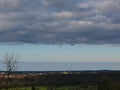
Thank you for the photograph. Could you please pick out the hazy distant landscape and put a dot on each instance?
(62, 76)
(68, 66)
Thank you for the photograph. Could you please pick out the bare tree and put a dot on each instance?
(10, 61)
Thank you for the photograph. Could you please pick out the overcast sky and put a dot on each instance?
(47, 24)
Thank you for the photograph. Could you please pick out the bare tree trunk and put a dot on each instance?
(7, 81)
(10, 62)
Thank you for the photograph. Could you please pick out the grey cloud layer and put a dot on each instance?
(60, 21)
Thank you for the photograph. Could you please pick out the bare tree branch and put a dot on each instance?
(10, 61)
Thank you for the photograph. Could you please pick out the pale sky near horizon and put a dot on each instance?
(67, 53)
(61, 30)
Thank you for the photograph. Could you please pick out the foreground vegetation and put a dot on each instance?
(85, 80)
(57, 88)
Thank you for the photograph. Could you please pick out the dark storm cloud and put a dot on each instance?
(60, 21)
